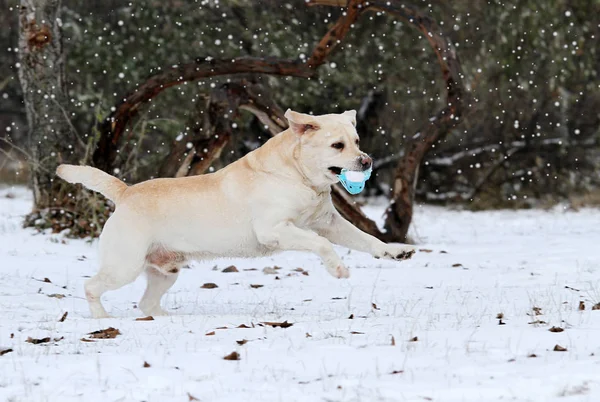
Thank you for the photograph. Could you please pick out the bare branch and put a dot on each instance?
(335, 35)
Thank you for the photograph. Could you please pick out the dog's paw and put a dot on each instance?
(342, 272)
(396, 252)
(339, 272)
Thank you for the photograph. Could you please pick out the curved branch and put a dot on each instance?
(112, 128)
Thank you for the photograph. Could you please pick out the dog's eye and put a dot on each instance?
(338, 145)
(356, 142)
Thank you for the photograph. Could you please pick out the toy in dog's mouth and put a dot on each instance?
(352, 180)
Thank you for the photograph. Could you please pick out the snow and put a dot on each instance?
(512, 261)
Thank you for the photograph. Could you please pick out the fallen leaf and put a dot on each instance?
(307, 300)
(242, 342)
(374, 306)
(211, 333)
(86, 340)
(231, 268)
(149, 318)
(250, 269)
(393, 341)
(57, 295)
(443, 252)
(308, 335)
(576, 290)
(532, 355)
(425, 250)
(512, 360)
(232, 356)
(47, 280)
(63, 317)
(556, 329)
(558, 348)
(146, 365)
(284, 324)
(596, 306)
(4, 350)
(37, 341)
(337, 298)
(192, 397)
(581, 306)
(243, 326)
(500, 322)
(305, 273)
(209, 286)
(298, 269)
(500, 316)
(351, 317)
(12, 336)
(397, 372)
(256, 286)
(222, 328)
(456, 265)
(107, 333)
(428, 287)
(414, 339)
(538, 322)
(537, 310)
(357, 333)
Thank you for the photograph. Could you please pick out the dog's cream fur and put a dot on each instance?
(275, 198)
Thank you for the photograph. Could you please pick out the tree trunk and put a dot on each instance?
(51, 137)
(399, 213)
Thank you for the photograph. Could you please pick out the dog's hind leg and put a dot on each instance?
(158, 284)
(122, 260)
(111, 276)
(162, 269)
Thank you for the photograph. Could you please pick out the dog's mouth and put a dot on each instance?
(335, 170)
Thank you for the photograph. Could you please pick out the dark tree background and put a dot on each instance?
(528, 136)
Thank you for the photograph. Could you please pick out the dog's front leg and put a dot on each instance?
(339, 231)
(286, 236)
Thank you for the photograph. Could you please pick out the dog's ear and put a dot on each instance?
(352, 115)
(300, 123)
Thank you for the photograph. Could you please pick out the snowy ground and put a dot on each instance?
(511, 262)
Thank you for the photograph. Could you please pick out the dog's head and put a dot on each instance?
(328, 144)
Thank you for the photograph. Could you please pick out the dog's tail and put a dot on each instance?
(94, 179)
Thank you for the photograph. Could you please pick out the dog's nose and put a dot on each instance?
(366, 161)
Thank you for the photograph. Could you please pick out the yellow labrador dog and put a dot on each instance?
(275, 198)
